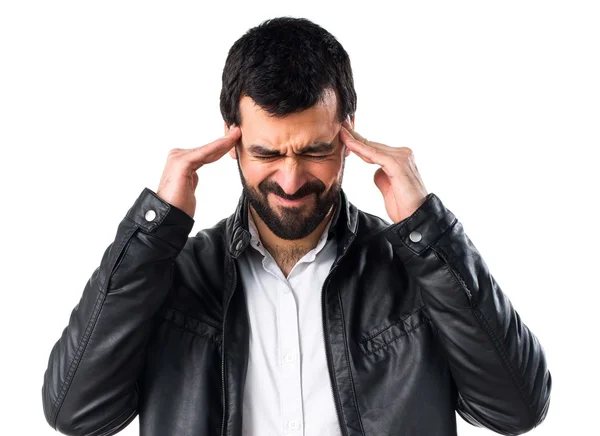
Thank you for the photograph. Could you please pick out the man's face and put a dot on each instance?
(291, 168)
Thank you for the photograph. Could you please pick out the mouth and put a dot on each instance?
(297, 202)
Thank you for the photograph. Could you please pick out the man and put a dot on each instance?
(298, 314)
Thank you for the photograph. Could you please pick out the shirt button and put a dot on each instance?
(150, 215)
(289, 357)
(293, 425)
(286, 290)
(415, 236)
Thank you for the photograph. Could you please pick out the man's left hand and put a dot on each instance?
(397, 178)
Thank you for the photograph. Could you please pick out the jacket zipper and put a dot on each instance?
(223, 347)
(338, 407)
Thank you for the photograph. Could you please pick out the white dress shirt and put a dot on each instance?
(288, 390)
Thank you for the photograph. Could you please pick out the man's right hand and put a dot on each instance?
(179, 179)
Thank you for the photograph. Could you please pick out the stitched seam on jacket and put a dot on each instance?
(103, 288)
(354, 400)
(438, 250)
(77, 358)
(401, 320)
(504, 359)
(394, 339)
(86, 336)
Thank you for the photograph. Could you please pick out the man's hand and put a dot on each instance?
(397, 178)
(179, 179)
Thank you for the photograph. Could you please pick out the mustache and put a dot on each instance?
(306, 189)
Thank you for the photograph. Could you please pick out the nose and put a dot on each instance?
(291, 176)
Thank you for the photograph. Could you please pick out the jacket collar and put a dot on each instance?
(237, 236)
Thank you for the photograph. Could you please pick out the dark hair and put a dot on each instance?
(285, 64)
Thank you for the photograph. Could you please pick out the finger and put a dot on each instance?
(213, 151)
(375, 155)
(364, 140)
(348, 127)
(357, 135)
(362, 156)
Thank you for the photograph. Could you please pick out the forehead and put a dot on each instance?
(317, 123)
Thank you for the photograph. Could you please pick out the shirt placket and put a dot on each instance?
(288, 351)
(288, 338)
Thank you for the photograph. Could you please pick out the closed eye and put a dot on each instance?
(306, 155)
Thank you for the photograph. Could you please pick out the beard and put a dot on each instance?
(293, 222)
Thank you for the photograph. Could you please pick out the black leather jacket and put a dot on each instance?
(416, 328)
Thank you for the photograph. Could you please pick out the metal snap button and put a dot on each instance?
(150, 215)
(415, 236)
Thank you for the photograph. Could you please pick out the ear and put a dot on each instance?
(232, 152)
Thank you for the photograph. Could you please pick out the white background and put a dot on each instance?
(499, 101)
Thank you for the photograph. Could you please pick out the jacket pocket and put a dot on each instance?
(192, 325)
(390, 335)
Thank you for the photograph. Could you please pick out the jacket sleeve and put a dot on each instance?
(90, 385)
(498, 364)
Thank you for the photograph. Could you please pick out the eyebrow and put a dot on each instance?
(317, 147)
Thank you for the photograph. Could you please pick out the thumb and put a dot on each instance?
(381, 180)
